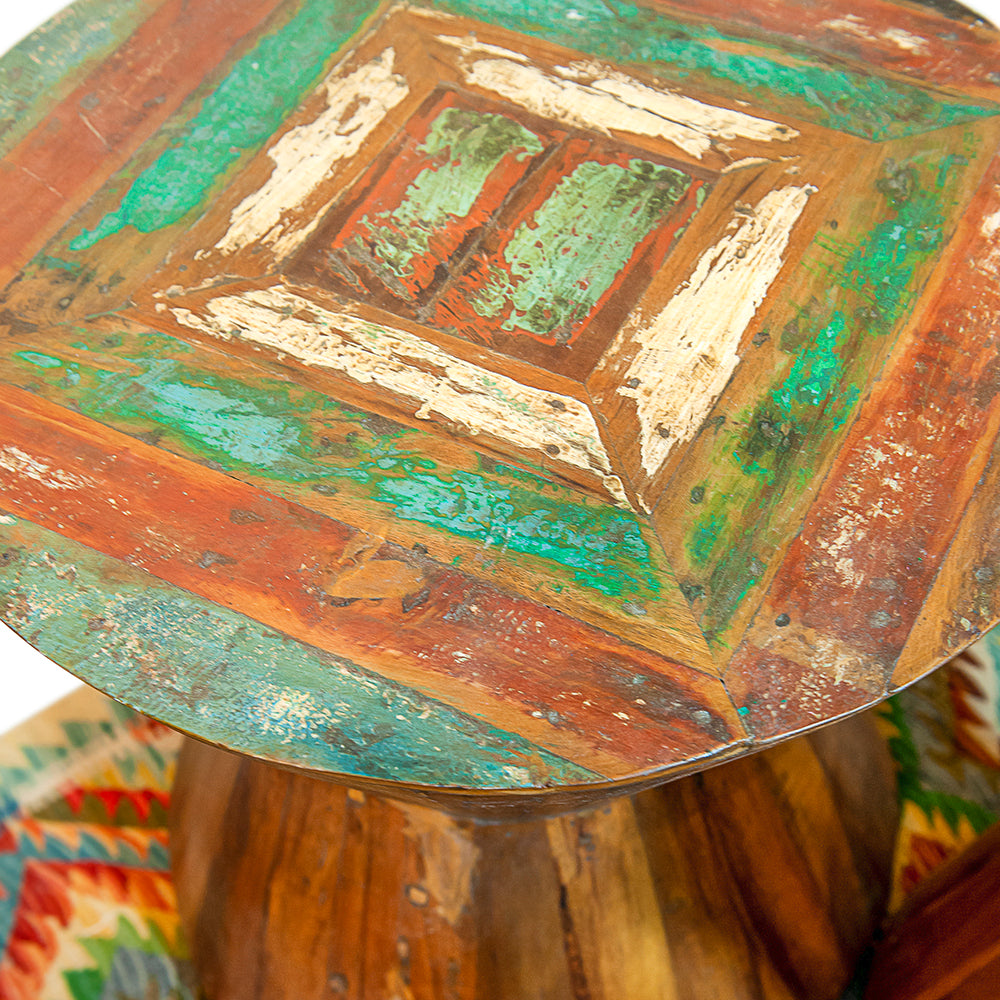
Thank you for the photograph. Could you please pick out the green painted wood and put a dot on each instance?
(868, 273)
(709, 55)
(157, 647)
(309, 447)
(237, 115)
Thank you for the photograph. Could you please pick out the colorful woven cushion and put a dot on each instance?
(87, 909)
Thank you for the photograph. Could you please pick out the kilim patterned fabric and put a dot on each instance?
(944, 733)
(86, 903)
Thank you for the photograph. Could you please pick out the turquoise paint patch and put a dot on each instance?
(880, 270)
(39, 360)
(221, 422)
(859, 103)
(817, 374)
(260, 430)
(240, 114)
(504, 517)
(196, 665)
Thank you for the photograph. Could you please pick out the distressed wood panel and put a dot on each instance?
(128, 226)
(720, 56)
(351, 593)
(805, 372)
(46, 66)
(854, 580)
(907, 39)
(578, 317)
(108, 116)
(501, 524)
(672, 893)
(146, 642)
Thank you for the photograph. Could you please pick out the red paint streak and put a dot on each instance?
(89, 135)
(8, 843)
(873, 541)
(498, 656)
(387, 184)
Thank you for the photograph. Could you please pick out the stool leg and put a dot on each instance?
(760, 879)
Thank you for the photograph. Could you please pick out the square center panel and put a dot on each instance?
(489, 224)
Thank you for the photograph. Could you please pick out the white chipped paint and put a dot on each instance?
(479, 400)
(15, 460)
(469, 45)
(593, 96)
(689, 351)
(851, 24)
(900, 37)
(716, 122)
(747, 161)
(906, 40)
(356, 105)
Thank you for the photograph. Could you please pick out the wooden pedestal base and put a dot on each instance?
(760, 879)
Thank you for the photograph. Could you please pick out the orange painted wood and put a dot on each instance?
(865, 599)
(356, 596)
(110, 114)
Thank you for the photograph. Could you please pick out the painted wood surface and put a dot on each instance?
(611, 385)
(761, 880)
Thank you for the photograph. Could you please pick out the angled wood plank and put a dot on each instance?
(591, 560)
(353, 594)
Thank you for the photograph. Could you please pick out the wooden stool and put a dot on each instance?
(502, 409)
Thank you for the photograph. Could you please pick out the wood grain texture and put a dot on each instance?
(759, 880)
(541, 367)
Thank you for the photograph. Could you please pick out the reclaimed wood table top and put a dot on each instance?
(496, 394)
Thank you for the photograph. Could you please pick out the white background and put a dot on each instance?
(28, 681)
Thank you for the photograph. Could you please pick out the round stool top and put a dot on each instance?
(500, 394)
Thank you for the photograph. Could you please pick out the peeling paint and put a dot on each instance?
(287, 436)
(16, 460)
(355, 106)
(872, 282)
(240, 114)
(613, 101)
(675, 50)
(446, 387)
(689, 351)
(181, 658)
